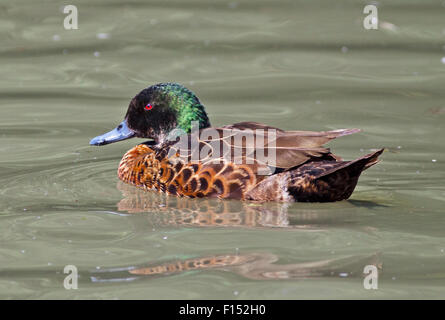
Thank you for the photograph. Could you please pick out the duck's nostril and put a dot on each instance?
(119, 127)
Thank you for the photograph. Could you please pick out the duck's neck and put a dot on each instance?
(190, 114)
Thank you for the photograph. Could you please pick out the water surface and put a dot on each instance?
(305, 65)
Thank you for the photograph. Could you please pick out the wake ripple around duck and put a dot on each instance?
(76, 183)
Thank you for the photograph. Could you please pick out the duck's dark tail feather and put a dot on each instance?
(320, 181)
(328, 180)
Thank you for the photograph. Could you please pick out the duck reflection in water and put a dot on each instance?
(255, 266)
(172, 211)
(164, 210)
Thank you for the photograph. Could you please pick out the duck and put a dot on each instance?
(185, 156)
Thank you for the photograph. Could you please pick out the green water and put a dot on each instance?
(302, 65)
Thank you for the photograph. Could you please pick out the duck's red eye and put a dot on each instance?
(148, 107)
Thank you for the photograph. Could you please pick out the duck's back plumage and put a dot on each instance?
(303, 170)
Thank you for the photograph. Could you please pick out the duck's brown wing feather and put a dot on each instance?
(293, 138)
(244, 141)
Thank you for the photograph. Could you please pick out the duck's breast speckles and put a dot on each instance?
(146, 168)
(139, 167)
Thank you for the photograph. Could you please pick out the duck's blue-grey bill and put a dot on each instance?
(121, 132)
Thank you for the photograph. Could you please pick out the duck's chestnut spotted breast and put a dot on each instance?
(144, 167)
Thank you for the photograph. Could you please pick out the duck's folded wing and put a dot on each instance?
(310, 139)
(292, 138)
(251, 142)
(291, 148)
(249, 125)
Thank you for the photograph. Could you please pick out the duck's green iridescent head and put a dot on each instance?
(155, 112)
